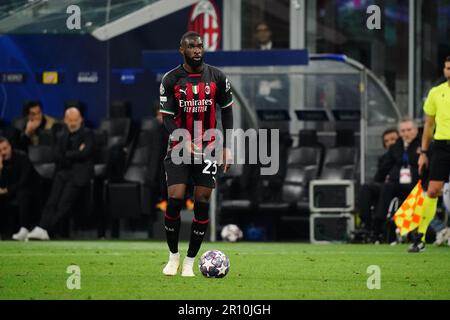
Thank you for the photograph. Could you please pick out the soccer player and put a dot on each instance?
(188, 97)
(437, 110)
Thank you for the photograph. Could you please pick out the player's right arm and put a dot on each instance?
(167, 98)
(168, 107)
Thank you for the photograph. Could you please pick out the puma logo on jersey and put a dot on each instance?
(184, 91)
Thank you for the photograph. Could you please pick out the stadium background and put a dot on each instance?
(415, 30)
(405, 56)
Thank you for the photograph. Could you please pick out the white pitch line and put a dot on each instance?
(59, 254)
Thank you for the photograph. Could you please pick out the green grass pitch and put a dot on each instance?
(275, 271)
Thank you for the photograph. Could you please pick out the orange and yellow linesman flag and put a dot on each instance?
(408, 216)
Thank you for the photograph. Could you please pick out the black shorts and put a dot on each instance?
(202, 174)
(440, 161)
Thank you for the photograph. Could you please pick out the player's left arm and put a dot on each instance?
(430, 123)
(226, 101)
(430, 110)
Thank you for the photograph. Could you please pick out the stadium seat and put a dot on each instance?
(127, 199)
(270, 186)
(133, 195)
(100, 153)
(309, 138)
(340, 163)
(118, 137)
(117, 129)
(302, 167)
(42, 158)
(120, 109)
(230, 186)
(345, 138)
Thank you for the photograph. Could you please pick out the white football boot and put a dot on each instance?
(171, 267)
(188, 266)
(38, 234)
(21, 235)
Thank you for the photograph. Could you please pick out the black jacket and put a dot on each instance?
(391, 163)
(382, 159)
(70, 159)
(18, 173)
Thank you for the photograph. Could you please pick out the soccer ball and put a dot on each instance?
(214, 264)
(231, 233)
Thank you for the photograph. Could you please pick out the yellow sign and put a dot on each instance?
(50, 77)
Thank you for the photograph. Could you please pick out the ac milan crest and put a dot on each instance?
(204, 19)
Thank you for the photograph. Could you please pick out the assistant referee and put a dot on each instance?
(437, 111)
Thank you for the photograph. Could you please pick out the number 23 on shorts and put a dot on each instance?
(211, 167)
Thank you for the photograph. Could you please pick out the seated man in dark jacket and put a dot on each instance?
(18, 185)
(400, 171)
(370, 192)
(74, 154)
(35, 123)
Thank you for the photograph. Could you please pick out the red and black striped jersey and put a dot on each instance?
(192, 97)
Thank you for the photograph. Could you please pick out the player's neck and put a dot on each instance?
(190, 69)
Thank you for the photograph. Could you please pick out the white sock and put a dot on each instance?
(189, 260)
(174, 255)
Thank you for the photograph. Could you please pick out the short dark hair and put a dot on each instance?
(388, 131)
(31, 104)
(3, 139)
(262, 23)
(189, 35)
(447, 59)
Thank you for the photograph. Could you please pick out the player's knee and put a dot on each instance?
(174, 207)
(175, 193)
(202, 195)
(202, 198)
(201, 211)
